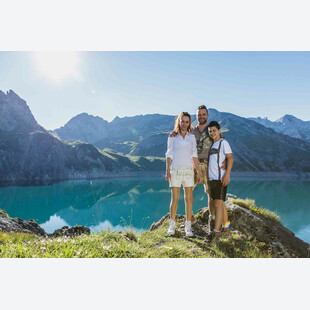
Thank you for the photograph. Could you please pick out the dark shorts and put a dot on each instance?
(218, 191)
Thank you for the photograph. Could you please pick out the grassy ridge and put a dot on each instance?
(108, 244)
(250, 204)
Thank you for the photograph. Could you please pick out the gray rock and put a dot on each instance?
(8, 224)
(70, 232)
(248, 224)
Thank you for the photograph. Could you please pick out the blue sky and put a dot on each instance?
(110, 84)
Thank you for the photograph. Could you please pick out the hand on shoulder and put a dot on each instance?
(172, 134)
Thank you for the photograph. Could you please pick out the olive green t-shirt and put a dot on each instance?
(203, 141)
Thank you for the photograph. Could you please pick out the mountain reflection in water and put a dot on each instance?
(138, 202)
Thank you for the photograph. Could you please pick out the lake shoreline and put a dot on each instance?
(156, 174)
(254, 233)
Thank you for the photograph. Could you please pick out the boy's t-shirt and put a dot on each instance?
(213, 165)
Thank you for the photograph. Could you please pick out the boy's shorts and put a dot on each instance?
(203, 169)
(218, 191)
(182, 176)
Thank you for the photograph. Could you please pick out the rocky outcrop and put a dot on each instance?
(249, 227)
(15, 114)
(8, 224)
(71, 232)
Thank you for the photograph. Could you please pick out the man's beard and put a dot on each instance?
(202, 123)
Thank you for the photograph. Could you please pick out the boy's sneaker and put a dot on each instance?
(211, 223)
(188, 229)
(171, 229)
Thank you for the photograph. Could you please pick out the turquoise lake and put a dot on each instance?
(138, 202)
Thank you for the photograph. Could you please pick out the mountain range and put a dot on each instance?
(256, 147)
(90, 147)
(29, 153)
(288, 125)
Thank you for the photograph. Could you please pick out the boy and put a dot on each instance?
(219, 178)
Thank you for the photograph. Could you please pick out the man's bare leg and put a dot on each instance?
(218, 214)
(225, 215)
(211, 205)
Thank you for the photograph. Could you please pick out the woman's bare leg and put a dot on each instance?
(175, 194)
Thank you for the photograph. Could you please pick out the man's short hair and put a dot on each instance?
(214, 124)
(201, 107)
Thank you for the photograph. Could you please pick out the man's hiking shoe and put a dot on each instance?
(171, 229)
(225, 232)
(211, 236)
(188, 229)
(226, 228)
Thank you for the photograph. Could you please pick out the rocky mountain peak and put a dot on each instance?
(287, 118)
(85, 117)
(15, 114)
(83, 127)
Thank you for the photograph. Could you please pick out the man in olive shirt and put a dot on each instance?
(204, 143)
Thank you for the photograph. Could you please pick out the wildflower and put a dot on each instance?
(106, 247)
(167, 247)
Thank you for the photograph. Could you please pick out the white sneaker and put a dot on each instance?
(171, 229)
(188, 229)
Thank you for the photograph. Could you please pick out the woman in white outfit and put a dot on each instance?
(180, 155)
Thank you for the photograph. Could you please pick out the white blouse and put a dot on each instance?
(181, 151)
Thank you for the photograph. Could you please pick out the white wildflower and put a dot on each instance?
(106, 247)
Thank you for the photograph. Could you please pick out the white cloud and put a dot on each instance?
(55, 222)
(304, 233)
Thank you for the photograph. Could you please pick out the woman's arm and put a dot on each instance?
(168, 174)
(169, 157)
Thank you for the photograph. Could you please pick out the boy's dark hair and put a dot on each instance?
(202, 107)
(215, 124)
